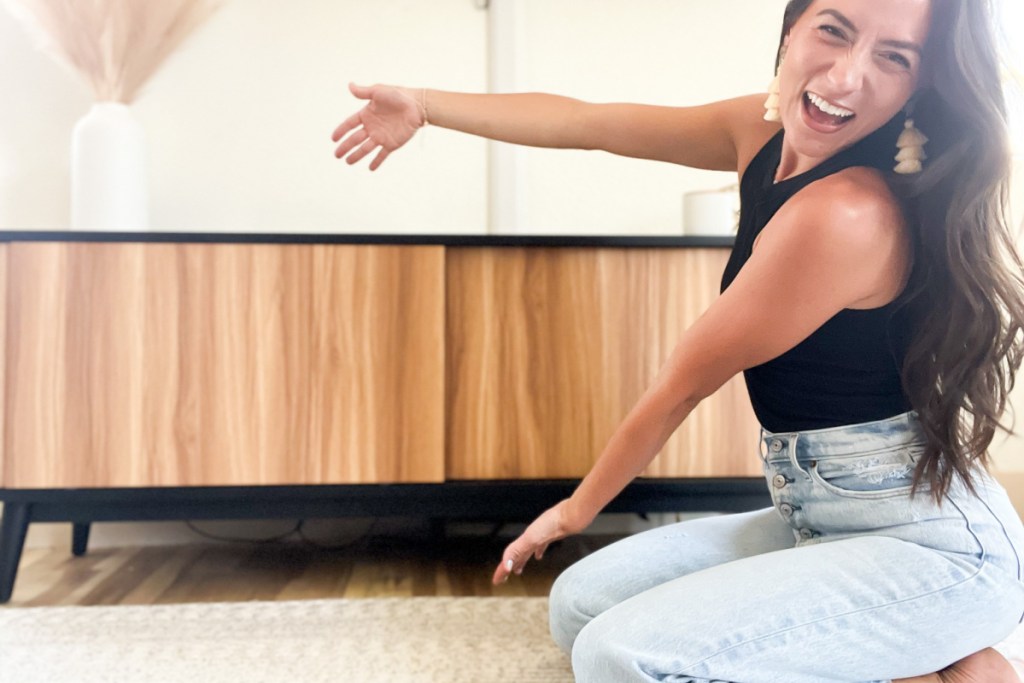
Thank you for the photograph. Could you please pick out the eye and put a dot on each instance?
(832, 31)
(897, 58)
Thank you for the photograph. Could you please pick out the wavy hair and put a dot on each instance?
(965, 295)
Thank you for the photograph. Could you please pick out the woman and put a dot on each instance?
(878, 324)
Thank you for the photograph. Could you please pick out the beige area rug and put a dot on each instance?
(397, 640)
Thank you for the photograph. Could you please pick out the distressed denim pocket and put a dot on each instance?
(881, 474)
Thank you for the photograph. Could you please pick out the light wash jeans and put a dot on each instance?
(847, 578)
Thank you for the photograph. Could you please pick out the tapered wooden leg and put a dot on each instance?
(13, 529)
(79, 538)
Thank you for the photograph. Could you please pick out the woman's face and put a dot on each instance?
(850, 66)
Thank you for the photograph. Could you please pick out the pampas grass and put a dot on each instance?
(113, 45)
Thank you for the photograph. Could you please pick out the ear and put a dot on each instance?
(780, 57)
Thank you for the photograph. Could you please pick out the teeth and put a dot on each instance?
(828, 108)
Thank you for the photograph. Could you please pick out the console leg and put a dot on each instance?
(13, 529)
(79, 537)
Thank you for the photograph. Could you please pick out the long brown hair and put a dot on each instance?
(965, 295)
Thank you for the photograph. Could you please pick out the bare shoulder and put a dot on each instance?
(852, 220)
(856, 204)
(709, 136)
(750, 131)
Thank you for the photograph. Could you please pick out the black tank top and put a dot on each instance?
(848, 370)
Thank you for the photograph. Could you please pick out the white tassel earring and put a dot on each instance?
(911, 145)
(771, 105)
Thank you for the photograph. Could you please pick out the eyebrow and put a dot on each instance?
(900, 44)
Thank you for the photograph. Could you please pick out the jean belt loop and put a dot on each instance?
(761, 449)
(792, 454)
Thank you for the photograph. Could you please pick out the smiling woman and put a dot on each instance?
(845, 72)
(878, 319)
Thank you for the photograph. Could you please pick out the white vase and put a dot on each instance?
(108, 170)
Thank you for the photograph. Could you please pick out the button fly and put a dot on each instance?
(776, 445)
(786, 509)
(778, 481)
(806, 533)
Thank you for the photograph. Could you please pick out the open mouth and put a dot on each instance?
(827, 115)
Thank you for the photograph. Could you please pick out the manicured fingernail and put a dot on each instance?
(509, 565)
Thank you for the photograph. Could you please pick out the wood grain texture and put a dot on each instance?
(385, 566)
(549, 349)
(194, 364)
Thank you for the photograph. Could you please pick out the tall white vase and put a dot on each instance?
(108, 170)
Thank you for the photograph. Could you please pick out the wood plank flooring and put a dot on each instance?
(377, 566)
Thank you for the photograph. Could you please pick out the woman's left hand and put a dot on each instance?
(553, 525)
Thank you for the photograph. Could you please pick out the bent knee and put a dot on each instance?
(604, 651)
(594, 655)
(568, 612)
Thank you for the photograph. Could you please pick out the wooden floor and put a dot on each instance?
(375, 566)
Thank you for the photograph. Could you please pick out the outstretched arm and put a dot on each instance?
(713, 136)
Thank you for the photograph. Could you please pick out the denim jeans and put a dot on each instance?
(847, 578)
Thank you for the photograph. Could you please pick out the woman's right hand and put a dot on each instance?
(553, 525)
(389, 120)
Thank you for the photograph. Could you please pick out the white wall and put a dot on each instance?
(239, 120)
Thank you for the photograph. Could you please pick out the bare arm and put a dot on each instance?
(713, 136)
(705, 136)
(839, 268)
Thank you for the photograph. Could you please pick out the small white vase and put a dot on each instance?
(108, 170)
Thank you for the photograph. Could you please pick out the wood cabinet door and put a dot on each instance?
(223, 364)
(549, 349)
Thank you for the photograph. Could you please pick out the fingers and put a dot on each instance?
(357, 138)
(368, 145)
(509, 565)
(360, 137)
(514, 561)
(363, 150)
(379, 159)
(345, 126)
(360, 91)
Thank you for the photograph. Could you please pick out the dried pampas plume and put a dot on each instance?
(114, 45)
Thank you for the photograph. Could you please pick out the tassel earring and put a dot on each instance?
(911, 145)
(771, 105)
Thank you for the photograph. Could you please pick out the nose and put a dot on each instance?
(847, 72)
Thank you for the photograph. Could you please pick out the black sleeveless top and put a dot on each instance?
(848, 370)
